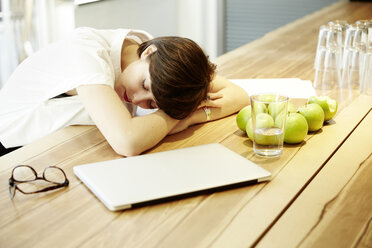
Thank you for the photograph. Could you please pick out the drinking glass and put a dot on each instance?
(269, 113)
(327, 59)
(363, 22)
(354, 50)
(366, 74)
(340, 26)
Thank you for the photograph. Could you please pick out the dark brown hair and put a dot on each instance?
(180, 73)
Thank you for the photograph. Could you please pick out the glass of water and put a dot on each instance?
(269, 113)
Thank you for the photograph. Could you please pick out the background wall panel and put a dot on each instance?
(247, 20)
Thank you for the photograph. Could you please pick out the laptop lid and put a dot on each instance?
(157, 177)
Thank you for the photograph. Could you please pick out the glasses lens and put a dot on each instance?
(23, 174)
(30, 187)
(54, 175)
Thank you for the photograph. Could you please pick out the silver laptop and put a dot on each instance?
(158, 177)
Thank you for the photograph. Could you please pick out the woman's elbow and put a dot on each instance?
(127, 148)
(126, 153)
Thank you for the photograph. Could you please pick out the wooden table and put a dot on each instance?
(320, 194)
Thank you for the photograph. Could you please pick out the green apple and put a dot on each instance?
(275, 109)
(243, 116)
(328, 105)
(279, 120)
(314, 116)
(295, 128)
(265, 124)
(263, 120)
(249, 129)
(259, 107)
(291, 108)
(267, 98)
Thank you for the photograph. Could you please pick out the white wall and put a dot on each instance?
(248, 20)
(50, 20)
(198, 20)
(202, 21)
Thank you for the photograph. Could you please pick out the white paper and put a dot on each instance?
(291, 87)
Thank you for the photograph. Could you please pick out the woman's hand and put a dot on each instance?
(213, 100)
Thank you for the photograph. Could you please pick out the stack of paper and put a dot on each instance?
(291, 87)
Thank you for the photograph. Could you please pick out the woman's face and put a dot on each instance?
(134, 84)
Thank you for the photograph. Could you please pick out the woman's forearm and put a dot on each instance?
(233, 99)
(146, 132)
(127, 135)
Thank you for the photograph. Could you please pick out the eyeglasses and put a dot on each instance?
(24, 179)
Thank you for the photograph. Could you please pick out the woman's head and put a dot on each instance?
(180, 73)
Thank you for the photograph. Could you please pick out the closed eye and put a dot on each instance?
(143, 85)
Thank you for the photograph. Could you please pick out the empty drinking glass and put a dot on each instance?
(341, 27)
(327, 59)
(354, 49)
(366, 74)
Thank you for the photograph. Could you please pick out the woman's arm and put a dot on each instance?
(127, 135)
(226, 99)
(233, 98)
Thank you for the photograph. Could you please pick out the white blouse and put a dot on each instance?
(29, 104)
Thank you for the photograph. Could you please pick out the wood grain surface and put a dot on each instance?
(314, 187)
(335, 209)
